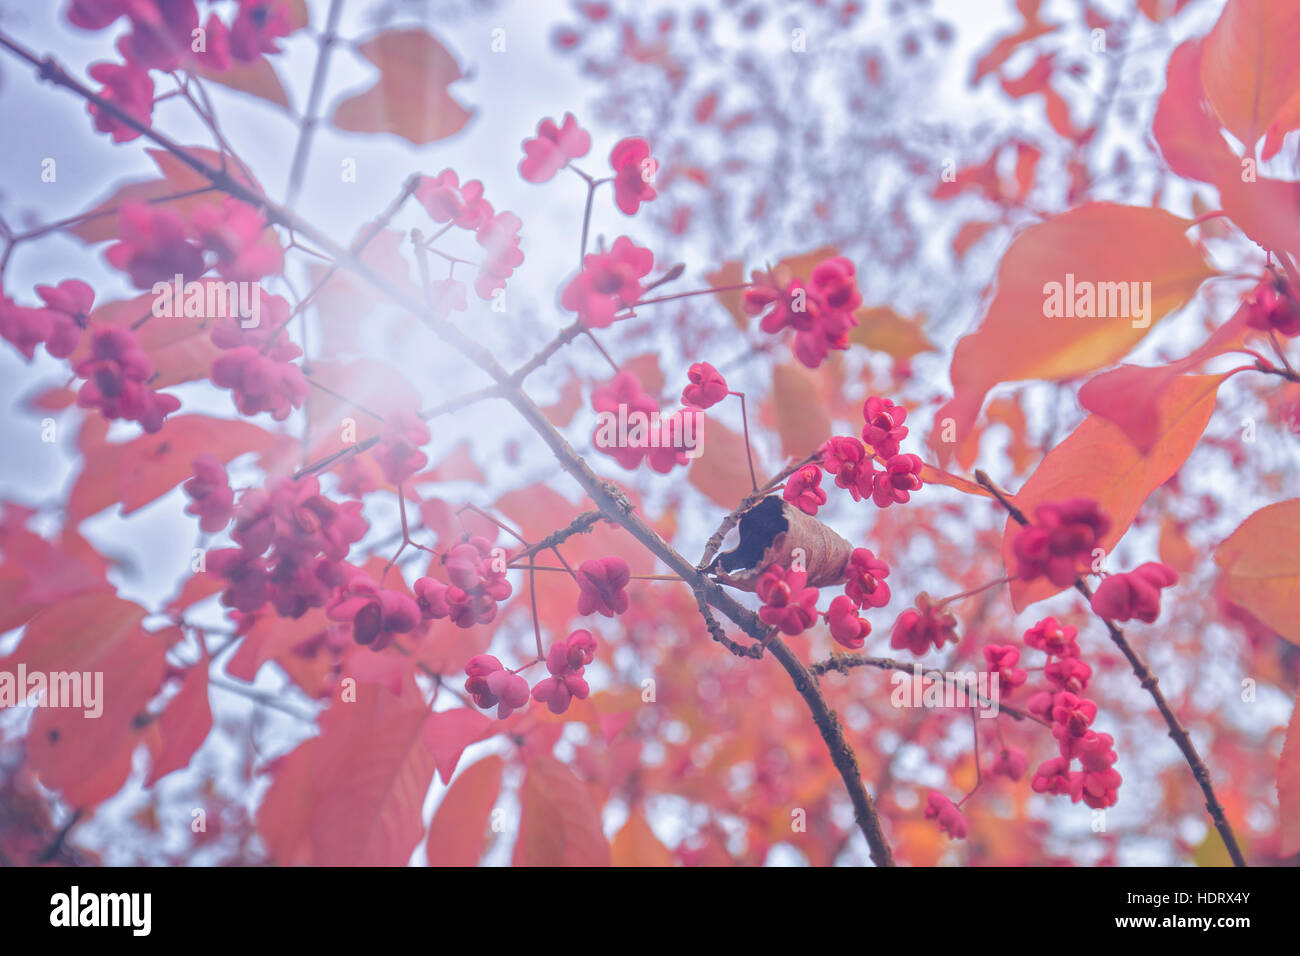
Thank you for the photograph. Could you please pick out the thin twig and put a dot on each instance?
(311, 114)
(843, 663)
(1150, 683)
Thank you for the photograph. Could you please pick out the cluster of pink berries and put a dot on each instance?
(477, 577)
(256, 362)
(1071, 716)
(1061, 542)
(1273, 307)
(491, 685)
(925, 626)
(448, 201)
(117, 373)
(162, 37)
(1122, 597)
(853, 463)
(58, 324)
(820, 312)
(609, 281)
(293, 542)
(651, 437)
(791, 606)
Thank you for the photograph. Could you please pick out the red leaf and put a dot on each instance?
(353, 796)
(37, 572)
(184, 724)
(559, 823)
(1261, 567)
(95, 633)
(272, 638)
(457, 835)
(410, 98)
(448, 732)
(1130, 395)
(143, 469)
(1098, 461)
(721, 471)
(1288, 787)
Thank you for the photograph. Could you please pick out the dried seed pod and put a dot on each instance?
(775, 532)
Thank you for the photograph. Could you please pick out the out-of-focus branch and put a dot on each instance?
(311, 116)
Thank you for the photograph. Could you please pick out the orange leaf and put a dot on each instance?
(1173, 547)
(1185, 126)
(1250, 68)
(457, 834)
(410, 97)
(721, 472)
(884, 330)
(1127, 261)
(177, 177)
(92, 634)
(1266, 210)
(802, 265)
(143, 469)
(179, 346)
(1288, 787)
(969, 234)
(1098, 461)
(560, 412)
(1161, 10)
(1003, 49)
(731, 273)
(801, 417)
(937, 476)
(1286, 120)
(1261, 567)
(458, 465)
(256, 79)
(636, 844)
(646, 368)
